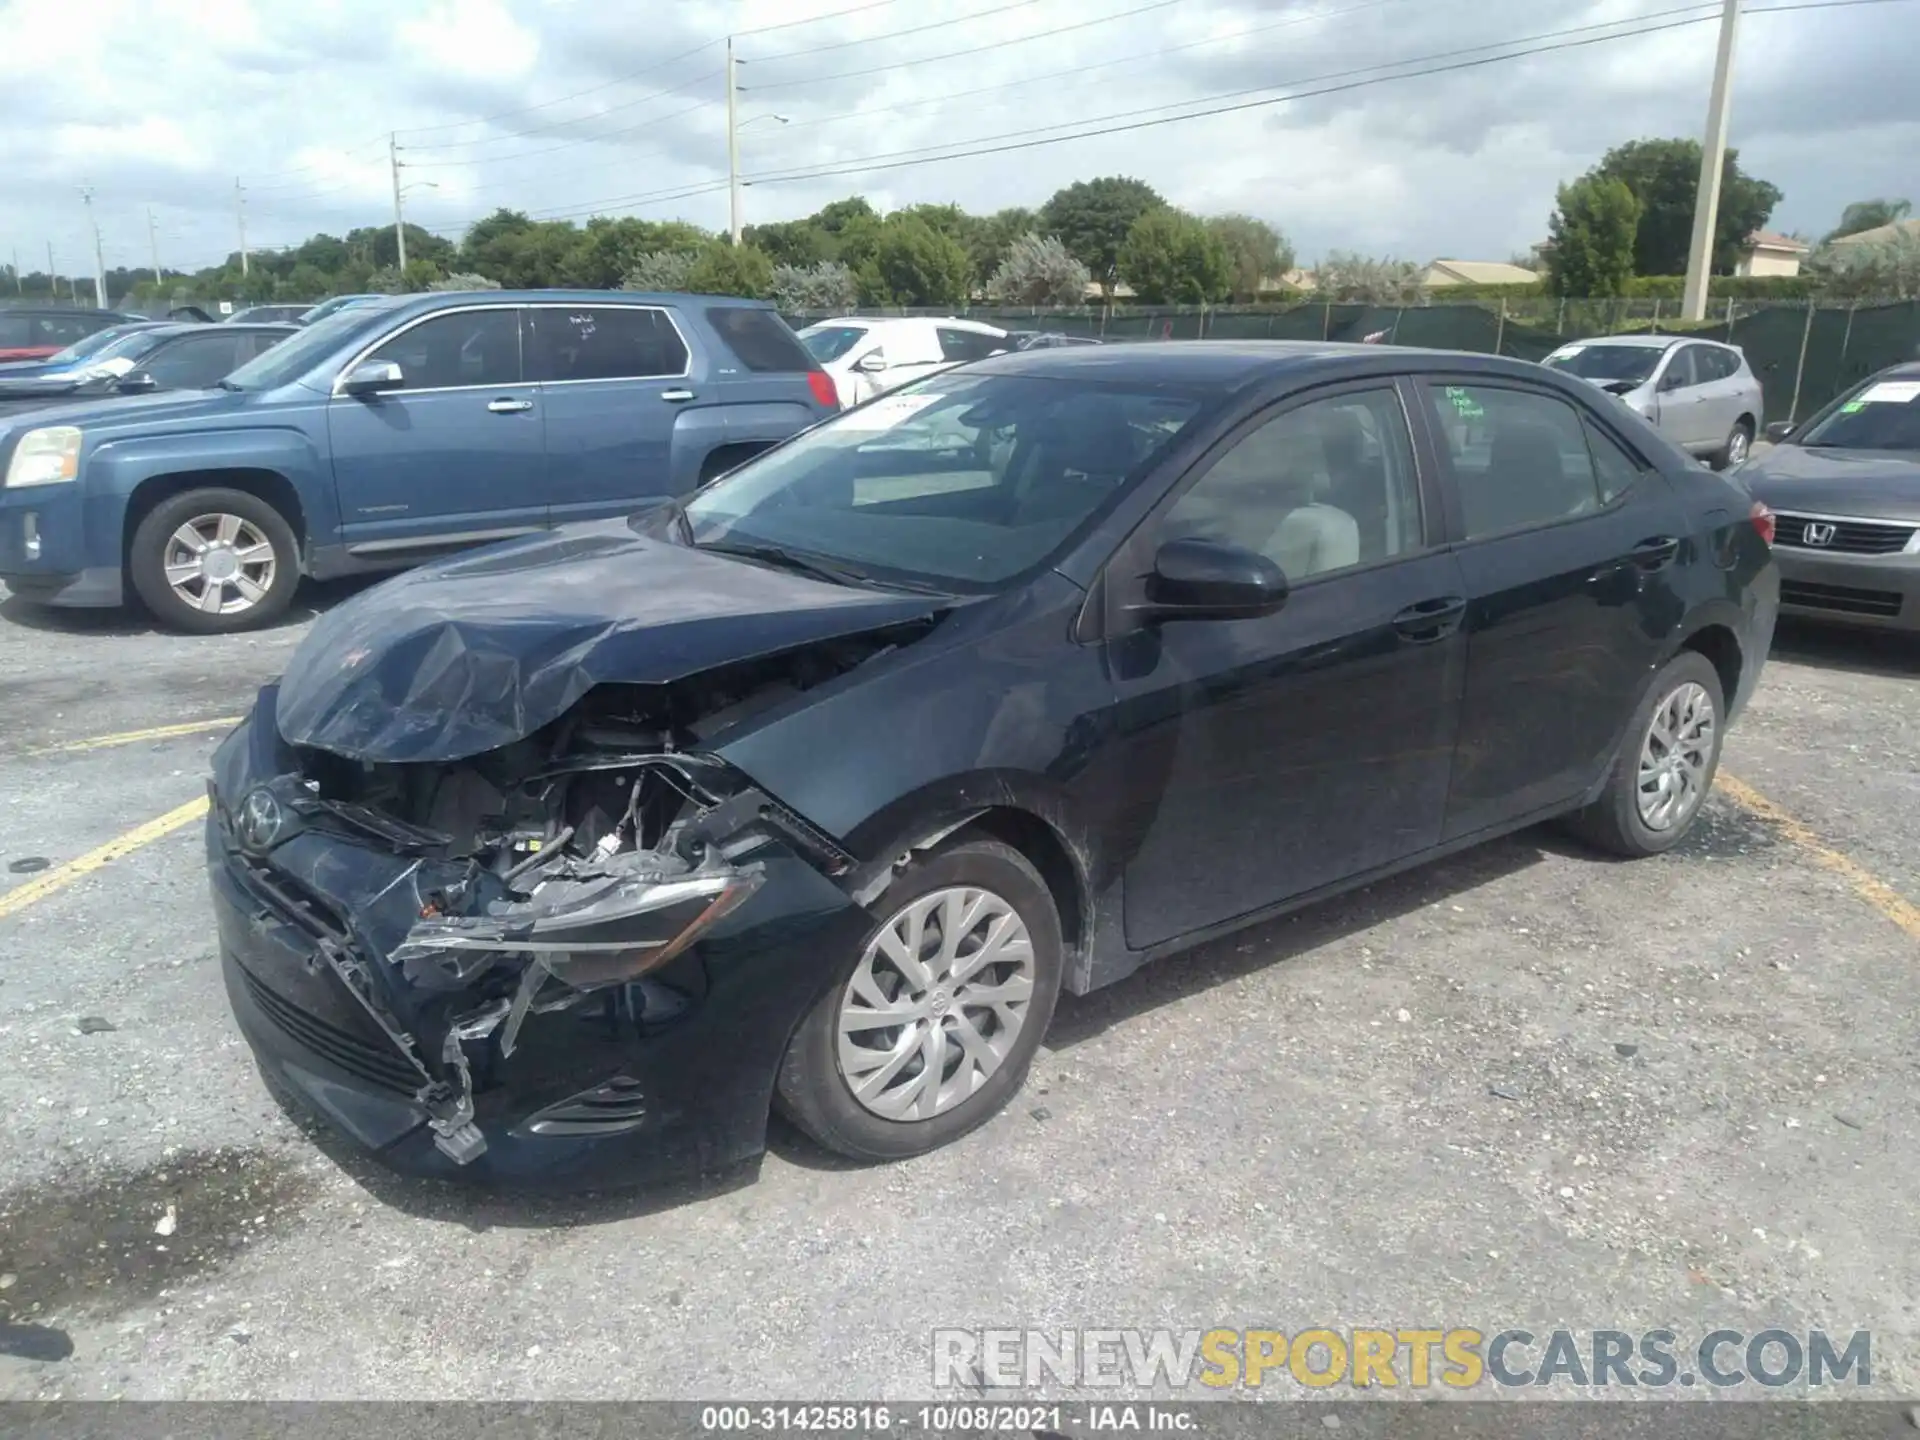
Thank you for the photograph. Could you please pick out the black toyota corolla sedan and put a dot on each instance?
(1846, 484)
(569, 858)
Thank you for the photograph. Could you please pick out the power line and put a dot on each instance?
(533, 130)
(1024, 140)
(971, 50)
(893, 34)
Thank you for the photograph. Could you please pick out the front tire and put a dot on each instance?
(1738, 446)
(214, 561)
(1665, 766)
(930, 1029)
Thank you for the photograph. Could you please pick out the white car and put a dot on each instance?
(868, 356)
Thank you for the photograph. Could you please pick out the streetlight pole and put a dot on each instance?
(240, 213)
(733, 148)
(399, 225)
(53, 276)
(99, 260)
(1706, 200)
(153, 242)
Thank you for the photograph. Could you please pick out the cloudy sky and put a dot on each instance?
(576, 107)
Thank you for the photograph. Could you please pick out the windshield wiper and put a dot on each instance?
(817, 566)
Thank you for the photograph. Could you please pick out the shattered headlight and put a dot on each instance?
(605, 930)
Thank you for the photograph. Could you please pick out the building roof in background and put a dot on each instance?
(1769, 240)
(1476, 272)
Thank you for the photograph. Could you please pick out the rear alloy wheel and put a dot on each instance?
(214, 561)
(932, 1029)
(1665, 766)
(1739, 443)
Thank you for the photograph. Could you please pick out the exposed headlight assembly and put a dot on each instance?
(49, 456)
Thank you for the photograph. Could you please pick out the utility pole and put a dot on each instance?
(53, 276)
(399, 225)
(99, 260)
(240, 214)
(153, 241)
(1706, 200)
(733, 148)
(19, 285)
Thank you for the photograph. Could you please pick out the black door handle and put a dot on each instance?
(1655, 553)
(1430, 620)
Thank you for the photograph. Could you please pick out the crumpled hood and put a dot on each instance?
(1872, 484)
(471, 653)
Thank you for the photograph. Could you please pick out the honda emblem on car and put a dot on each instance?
(1819, 532)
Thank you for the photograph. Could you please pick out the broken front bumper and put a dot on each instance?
(669, 1075)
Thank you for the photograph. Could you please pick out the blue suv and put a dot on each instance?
(389, 433)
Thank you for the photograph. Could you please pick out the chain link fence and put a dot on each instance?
(1804, 354)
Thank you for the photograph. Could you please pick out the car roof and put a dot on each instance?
(1230, 363)
(1653, 342)
(869, 321)
(453, 299)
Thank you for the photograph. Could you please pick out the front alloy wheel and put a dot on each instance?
(935, 1004)
(214, 560)
(219, 564)
(930, 1029)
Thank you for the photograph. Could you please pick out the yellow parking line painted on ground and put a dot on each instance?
(134, 737)
(1869, 887)
(13, 901)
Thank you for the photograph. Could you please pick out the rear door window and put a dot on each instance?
(759, 339)
(1680, 373)
(963, 345)
(1519, 458)
(602, 342)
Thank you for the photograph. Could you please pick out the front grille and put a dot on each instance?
(1842, 598)
(376, 1065)
(1844, 537)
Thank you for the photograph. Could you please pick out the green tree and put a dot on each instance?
(1343, 275)
(725, 269)
(661, 271)
(1593, 234)
(994, 235)
(1664, 175)
(601, 255)
(799, 243)
(913, 264)
(1257, 252)
(1039, 271)
(1869, 215)
(826, 288)
(1887, 269)
(1092, 218)
(1171, 258)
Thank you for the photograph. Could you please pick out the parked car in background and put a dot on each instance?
(560, 863)
(385, 434)
(1700, 394)
(266, 315)
(76, 356)
(30, 333)
(1845, 487)
(144, 360)
(338, 302)
(868, 356)
(1047, 339)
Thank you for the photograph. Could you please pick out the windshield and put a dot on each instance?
(1880, 415)
(964, 481)
(1607, 362)
(299, 353)
(830, 342)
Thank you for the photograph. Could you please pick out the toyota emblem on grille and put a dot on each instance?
(258, 824)
(1818, 532)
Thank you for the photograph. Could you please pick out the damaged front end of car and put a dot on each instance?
(574, 872)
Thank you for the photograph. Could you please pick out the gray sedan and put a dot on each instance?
(1700, 394)
(1845, 491)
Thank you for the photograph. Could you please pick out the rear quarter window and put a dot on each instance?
(759, 339)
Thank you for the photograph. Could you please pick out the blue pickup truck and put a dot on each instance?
(389, 433)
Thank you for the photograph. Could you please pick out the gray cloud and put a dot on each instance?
(182, 97)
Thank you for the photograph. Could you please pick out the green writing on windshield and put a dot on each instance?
(1464, 405)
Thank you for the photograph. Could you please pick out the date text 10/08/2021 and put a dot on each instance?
(942, 1419)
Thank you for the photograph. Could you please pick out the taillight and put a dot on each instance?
(821, 384)
(1762, 519)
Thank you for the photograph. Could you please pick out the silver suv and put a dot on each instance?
(1700, 394)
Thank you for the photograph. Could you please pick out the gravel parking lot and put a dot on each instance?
(1525, 1087)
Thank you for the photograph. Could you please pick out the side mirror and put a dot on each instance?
(1197, 579)
(1780, 430)
(137, 383)
(871, 364)
(373, 378)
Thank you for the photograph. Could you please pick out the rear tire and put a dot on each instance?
(214, 561)
(1738, 446)
(848, 1039)
(1665, 765)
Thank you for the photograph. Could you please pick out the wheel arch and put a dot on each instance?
(263, 483)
